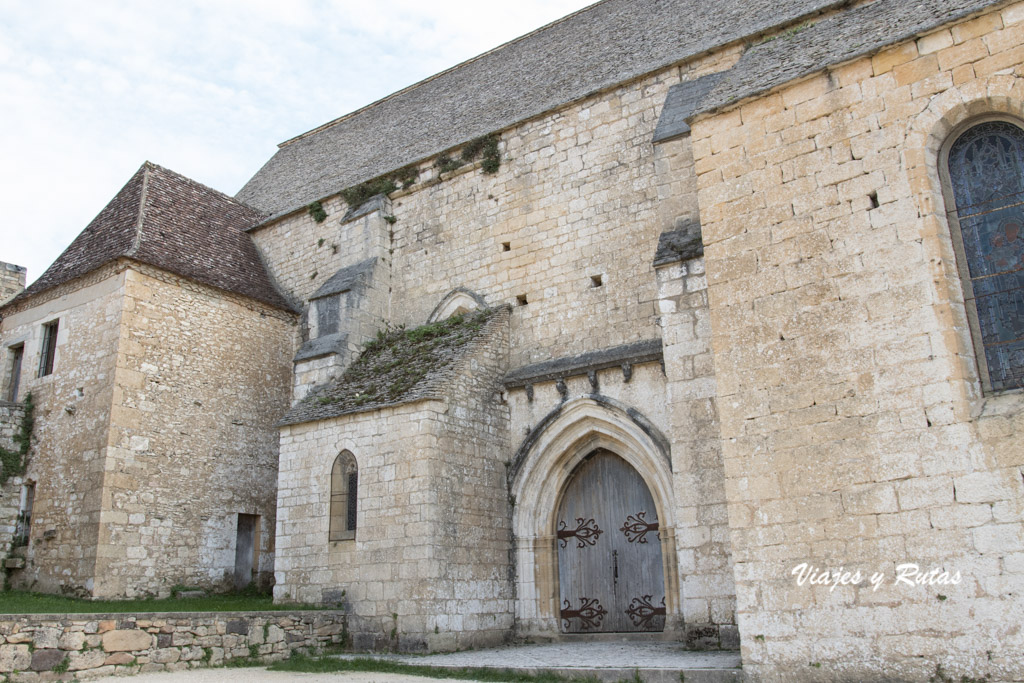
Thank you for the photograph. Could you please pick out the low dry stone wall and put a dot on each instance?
(50, 647)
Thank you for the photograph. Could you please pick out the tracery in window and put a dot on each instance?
(344, 497)
(986, 172)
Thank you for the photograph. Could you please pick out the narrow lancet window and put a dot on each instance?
(986, 171)
(344, 497)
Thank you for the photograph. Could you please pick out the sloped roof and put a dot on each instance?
(605, 44)
(843, 37)
(399, 367)
(169, 221)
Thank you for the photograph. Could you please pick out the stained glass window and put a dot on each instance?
(986, 170)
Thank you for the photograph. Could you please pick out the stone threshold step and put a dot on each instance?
(629, 675)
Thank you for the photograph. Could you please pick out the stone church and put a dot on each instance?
(688, 320)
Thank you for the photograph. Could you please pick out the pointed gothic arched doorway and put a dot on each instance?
(610, 572)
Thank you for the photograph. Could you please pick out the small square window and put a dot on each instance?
(328, 315)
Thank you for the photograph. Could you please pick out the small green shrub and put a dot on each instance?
(316, 210)
(14, 462)
(358, 195)
(63, 666)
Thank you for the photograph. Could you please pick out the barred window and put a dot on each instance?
(344, 497)
(986, 173)
(48, 351)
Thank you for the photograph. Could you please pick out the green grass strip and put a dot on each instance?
(305, 664)
(20, 602)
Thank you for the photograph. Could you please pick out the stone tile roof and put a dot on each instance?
(350, 277)
(169, 221)
(603, 45)
(400, 367)
(680, 103)
(634, 353)
(682, 243)
(840, 38)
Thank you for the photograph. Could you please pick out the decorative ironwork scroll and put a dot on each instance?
(590, 613)
(586, 532)
(641, 611)
(636, 528)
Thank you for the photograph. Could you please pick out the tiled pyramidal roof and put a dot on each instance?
(166, 220)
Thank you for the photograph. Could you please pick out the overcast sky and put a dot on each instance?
(91, 89)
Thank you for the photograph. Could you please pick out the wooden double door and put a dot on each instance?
(610, 573)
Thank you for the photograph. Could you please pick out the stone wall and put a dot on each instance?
(429, 566)
(575, 185)
(201, 379)
(153, 432)
(702, 525)
(854, 430)
(38, 647)
(71, 425)
(11, 415)
(12, 280)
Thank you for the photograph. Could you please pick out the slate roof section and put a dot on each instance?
(405, 366)
(356, 276)
(851, 34)
(646, 351)
(166, 220)
(598, 47)
(681, 244)
(322, 346)
(680, 103)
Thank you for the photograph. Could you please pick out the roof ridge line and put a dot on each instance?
(439, 74)
(137, 240)
(170, 171)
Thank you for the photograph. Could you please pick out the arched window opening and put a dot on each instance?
(344, 497)
(986, 173)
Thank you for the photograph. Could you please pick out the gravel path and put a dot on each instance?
(257, 675)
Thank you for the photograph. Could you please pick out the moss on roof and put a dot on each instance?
(398, 366)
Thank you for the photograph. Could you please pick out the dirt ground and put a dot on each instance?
(257, 675)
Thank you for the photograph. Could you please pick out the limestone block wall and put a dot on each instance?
(71, 424)
(574, 187)
(39, 646)
(200, 381)
(429, 566)
(11, 415)
(12, 280)
(702, 524)
(854, 430)
(471, 546)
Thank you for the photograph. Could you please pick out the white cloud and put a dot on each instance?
(91, 90)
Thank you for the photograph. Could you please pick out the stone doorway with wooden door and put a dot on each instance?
(610, 571)
(595, 464)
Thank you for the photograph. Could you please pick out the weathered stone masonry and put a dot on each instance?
(719, 243)
(854, 431)
(33, 646)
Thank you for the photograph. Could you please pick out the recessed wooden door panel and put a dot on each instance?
(609, 550)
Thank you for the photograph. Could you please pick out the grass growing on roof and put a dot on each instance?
(397, 360)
